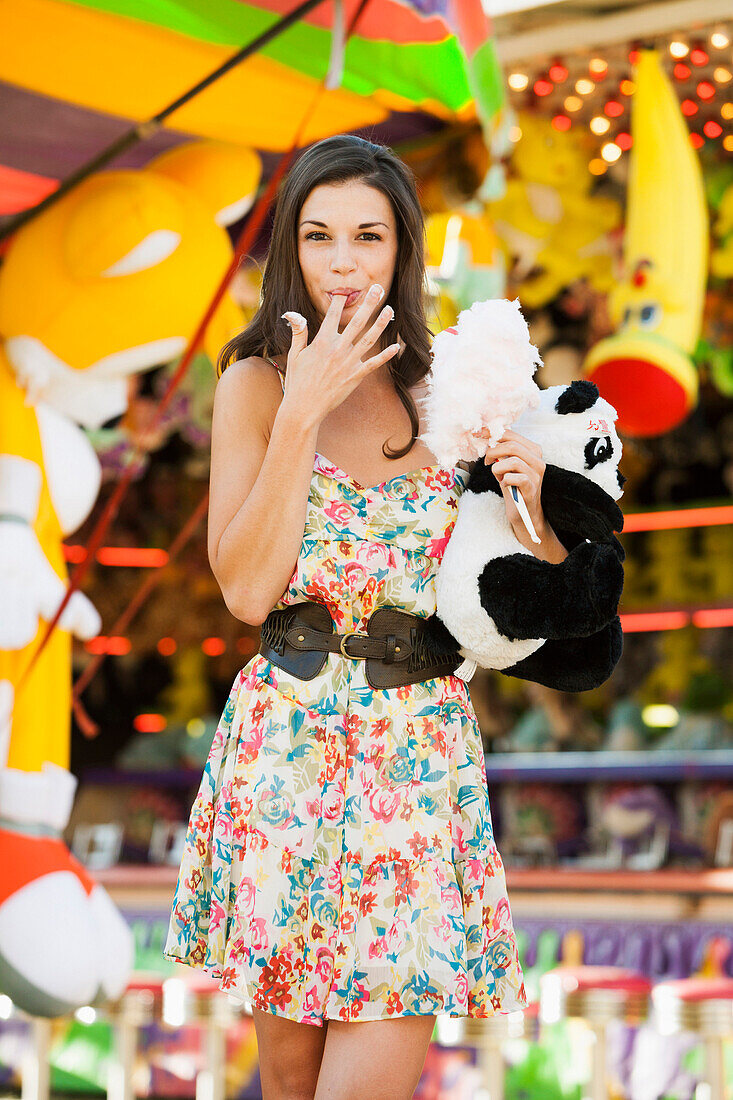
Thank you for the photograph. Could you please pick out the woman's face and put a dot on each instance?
(347, 240)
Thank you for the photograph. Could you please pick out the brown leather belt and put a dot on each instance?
(398, 648)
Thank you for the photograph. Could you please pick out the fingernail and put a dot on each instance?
(389, 311)
(296, 320)
(376, 292)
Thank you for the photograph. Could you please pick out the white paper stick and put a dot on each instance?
(524, 513)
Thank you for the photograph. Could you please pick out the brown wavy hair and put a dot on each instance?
(336, 160)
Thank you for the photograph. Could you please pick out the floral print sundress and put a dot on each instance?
(339, 861)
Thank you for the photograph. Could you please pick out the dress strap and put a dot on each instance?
(280, 371)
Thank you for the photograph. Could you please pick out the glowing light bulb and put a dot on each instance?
(682, 71)
(150, 723)
(542, 87)
(610, 152)
(558, 72)
(584, 86)
(679, 49)
(600, 125)
(598, 67)
(614, 109)
(515, 134)
(597, 167)
(719, 39)
(728, 143)
(697, 141)
(689, 107)
(627, 87)
(698, 56)
(712, 129)
(573, 103)
(561, 122)
(726, 112)
(624, 140)
(518, 81)
(723, 76)
(195, 727)
(659, 715)
(706, 90)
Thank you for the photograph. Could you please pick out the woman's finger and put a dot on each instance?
(372, 334)
(298, 331)
(381, 357)
(514, 477)
(515, 447)
(504, 465)
(330, 322)
(514, 437)
(371, 300)
(510, 435)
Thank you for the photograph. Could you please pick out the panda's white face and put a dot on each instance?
(585, 441)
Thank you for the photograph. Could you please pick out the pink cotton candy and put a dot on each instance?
(481, 378)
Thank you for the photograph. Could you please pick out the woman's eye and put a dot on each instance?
(317, 233)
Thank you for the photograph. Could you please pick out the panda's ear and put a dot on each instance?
(580, 395)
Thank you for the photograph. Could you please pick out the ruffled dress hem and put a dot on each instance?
(347, 1014)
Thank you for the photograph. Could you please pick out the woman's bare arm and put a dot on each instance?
(260, 479)
(259, 488)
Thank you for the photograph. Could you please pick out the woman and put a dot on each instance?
(340, 868)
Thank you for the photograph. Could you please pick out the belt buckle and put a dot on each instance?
(344, 640)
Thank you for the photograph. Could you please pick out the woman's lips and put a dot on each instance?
(350, 298)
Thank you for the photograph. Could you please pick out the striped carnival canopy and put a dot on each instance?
(74, 74)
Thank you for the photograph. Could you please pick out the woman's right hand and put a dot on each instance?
(320, 375)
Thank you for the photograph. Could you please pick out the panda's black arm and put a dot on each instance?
(531, 598)
(573, 664)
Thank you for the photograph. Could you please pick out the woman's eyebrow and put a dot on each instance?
(364, 225)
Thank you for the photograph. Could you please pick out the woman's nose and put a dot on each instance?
(342, 259)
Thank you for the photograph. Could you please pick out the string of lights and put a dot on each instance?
(596, 93)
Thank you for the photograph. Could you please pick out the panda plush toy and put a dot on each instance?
(552, 622)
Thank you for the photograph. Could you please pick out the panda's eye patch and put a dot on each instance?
(598, 450)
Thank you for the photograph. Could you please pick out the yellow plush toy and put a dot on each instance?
(111, 280)
(645, 369)
(551, 226)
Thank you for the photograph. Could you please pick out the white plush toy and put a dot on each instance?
(556, 623)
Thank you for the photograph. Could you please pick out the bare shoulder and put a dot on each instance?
(250, 376)
(248, 391)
